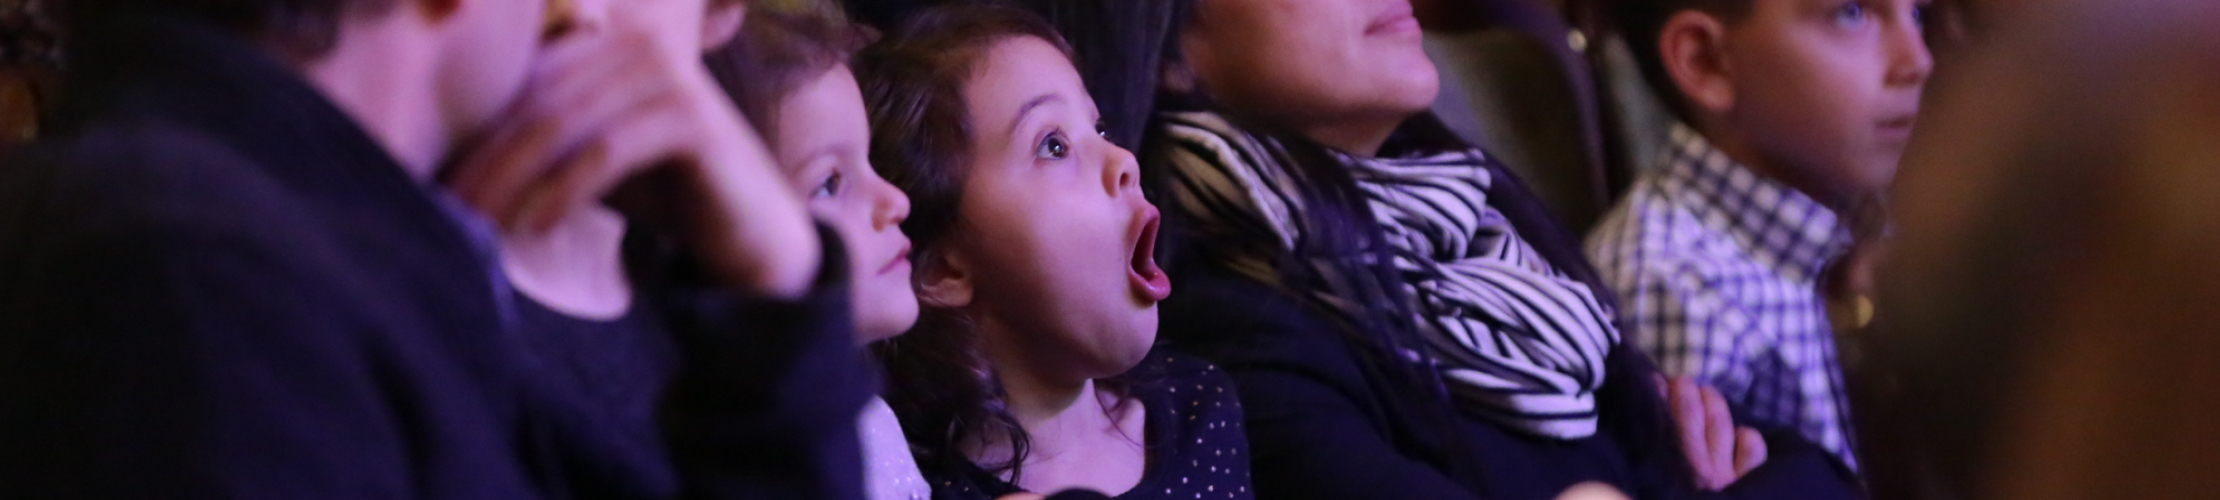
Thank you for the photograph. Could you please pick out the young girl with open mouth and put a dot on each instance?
(1031, 368)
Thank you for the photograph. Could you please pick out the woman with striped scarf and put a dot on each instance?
(1404, 318)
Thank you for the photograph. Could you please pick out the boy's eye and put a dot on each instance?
(831, 186)
(1102, 129)
(1850, 14)
(1053, 147)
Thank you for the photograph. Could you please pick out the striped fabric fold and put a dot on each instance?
(1518, 341)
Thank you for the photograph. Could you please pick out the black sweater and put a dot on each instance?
(214, 284)
(1333, 417)
(1323, 424)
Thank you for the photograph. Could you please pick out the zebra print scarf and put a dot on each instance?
(1517, 341)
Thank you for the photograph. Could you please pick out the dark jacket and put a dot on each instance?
(214, 284)
(1334, 416)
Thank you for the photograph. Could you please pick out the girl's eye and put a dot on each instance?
(1850, 14)
(1919, 13)
(1102, 129)
(831, 186)
(1053, 147)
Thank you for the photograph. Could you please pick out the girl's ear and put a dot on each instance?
(944, 280)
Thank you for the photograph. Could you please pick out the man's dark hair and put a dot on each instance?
(1642, 21)
(296, 29)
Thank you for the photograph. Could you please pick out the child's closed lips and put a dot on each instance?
(1897, 128)
(900, 260)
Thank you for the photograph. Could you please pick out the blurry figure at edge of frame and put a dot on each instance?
(2048, 321)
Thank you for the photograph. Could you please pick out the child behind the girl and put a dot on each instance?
(788, 74)
(1031, 367)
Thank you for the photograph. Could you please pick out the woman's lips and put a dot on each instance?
(1397, 20)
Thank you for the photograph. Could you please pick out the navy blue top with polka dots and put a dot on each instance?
(1197, 449)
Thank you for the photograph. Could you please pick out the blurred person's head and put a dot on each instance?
(1034, 243)
(1820, 94)
(2047, 324)
(788, 73)
(1344, 73)
(441, 69)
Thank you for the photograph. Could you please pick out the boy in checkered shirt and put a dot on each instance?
(1793, 113)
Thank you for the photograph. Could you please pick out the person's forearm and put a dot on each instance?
(771, 246)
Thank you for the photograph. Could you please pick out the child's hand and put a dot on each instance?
(1718, 452)
(1592, 491)
(604, 109)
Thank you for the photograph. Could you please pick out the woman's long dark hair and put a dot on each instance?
(941, 383)
(1340, 218)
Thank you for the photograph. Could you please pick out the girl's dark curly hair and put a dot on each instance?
(941, 383)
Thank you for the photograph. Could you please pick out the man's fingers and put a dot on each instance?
(645, 137)
(542, 150)
(1688, 414)
(1719, 426)
(1749, 451)
(552, 199)
(498, 173)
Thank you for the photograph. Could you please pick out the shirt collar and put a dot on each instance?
(1783, 227)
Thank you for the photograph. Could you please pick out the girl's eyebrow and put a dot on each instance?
(822, 152)
(806, 163)
(1027, 109)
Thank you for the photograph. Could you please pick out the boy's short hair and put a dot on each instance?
(1642, 21)
(297, 29)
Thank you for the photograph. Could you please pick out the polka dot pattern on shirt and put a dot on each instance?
(1197, 447)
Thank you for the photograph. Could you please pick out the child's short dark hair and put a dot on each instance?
(776, 53)
(1642, 21)
(913, 82)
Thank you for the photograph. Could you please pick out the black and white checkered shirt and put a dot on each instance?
(1718, 269)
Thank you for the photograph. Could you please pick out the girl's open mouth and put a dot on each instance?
(1150, 284)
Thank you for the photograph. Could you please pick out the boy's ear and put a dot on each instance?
(944, 280)
(1178, 78)
(722, 22)
(1693, 48)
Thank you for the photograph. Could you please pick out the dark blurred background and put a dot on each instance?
(30, 64)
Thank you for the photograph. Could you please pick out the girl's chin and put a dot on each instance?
(868, 333)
